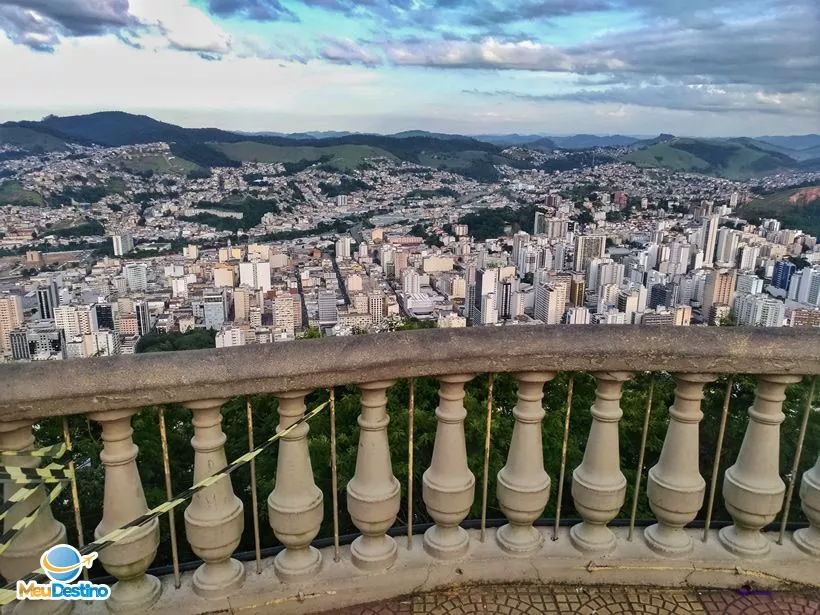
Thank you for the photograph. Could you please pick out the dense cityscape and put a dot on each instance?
(271, 252)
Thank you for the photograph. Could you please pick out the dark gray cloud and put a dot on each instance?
(40, 24)
(677, 97)
(778, 50)
(256, 10)
(480, 13)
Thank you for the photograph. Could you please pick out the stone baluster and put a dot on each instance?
(674, 486)
(523, 486)
(752, 487)
(213, 521)
(373, 493)
(295, 504)
(808, 539)
(124, 501)
(23, 555)
(448, 485)
(598, 485)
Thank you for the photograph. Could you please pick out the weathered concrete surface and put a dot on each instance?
(340, 585)
(34, 390)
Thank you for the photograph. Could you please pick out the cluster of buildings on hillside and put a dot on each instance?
(706, 268)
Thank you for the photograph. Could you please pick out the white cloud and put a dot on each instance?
(183, 26)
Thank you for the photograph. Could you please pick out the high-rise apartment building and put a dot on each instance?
(241, 304)
(18, 341)
(708, 236)
(410, 281)
(783, 272)
(588, 247)
(748, 257)
(255, 275)
(550, 303)
(107, 315)
(123, 244)
(343, 245)
(11, 318)
(663, 295)
(230, 336)
(65, 318)
(749, 283)
(375, 305)
(520, 241)
(759, 311)
(213, 308)
(540, 225)
(224, 275)
(143, 315)
(720, 288)
(283, 314)
(727, 246)
(486, 281)
(47, 300)
(136, 276)
(578, 316)
(804, 286)
(328, 313)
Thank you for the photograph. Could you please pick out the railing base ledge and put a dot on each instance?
(342, 584)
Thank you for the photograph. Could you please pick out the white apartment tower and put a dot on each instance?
(123, 244)
(708, 238)
(136, 277)
(255, 275)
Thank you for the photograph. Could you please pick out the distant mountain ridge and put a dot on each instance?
(794, 142)
(471, 156)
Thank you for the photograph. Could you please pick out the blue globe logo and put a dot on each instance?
(62, 563)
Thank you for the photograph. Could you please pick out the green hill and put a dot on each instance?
(343, 157)
(796, 209)
(734, 159)
(12, 193)
(31, 140)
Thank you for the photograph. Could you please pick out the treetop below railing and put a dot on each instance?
(53, 388)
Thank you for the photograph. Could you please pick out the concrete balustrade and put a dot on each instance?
(373, 493)
(808, 539)
(752, 487)
(448, 484)
(23, 554)
(124, 501)
(675, 487)
(214, 519)
(295, 504)
(598, 485)
(523, 485)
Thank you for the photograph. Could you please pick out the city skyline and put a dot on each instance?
(628, 67)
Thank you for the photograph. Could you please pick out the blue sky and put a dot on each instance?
(722, 67)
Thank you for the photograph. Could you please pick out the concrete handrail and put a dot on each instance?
(55, 388)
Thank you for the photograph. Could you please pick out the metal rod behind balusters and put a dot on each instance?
(166, 469)
(716, 464)
(485, 478)
(796, 465)
(254, 501)
(411, 412)
(638, 475)
(333, 475)
(570, 385)
(75, 495)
